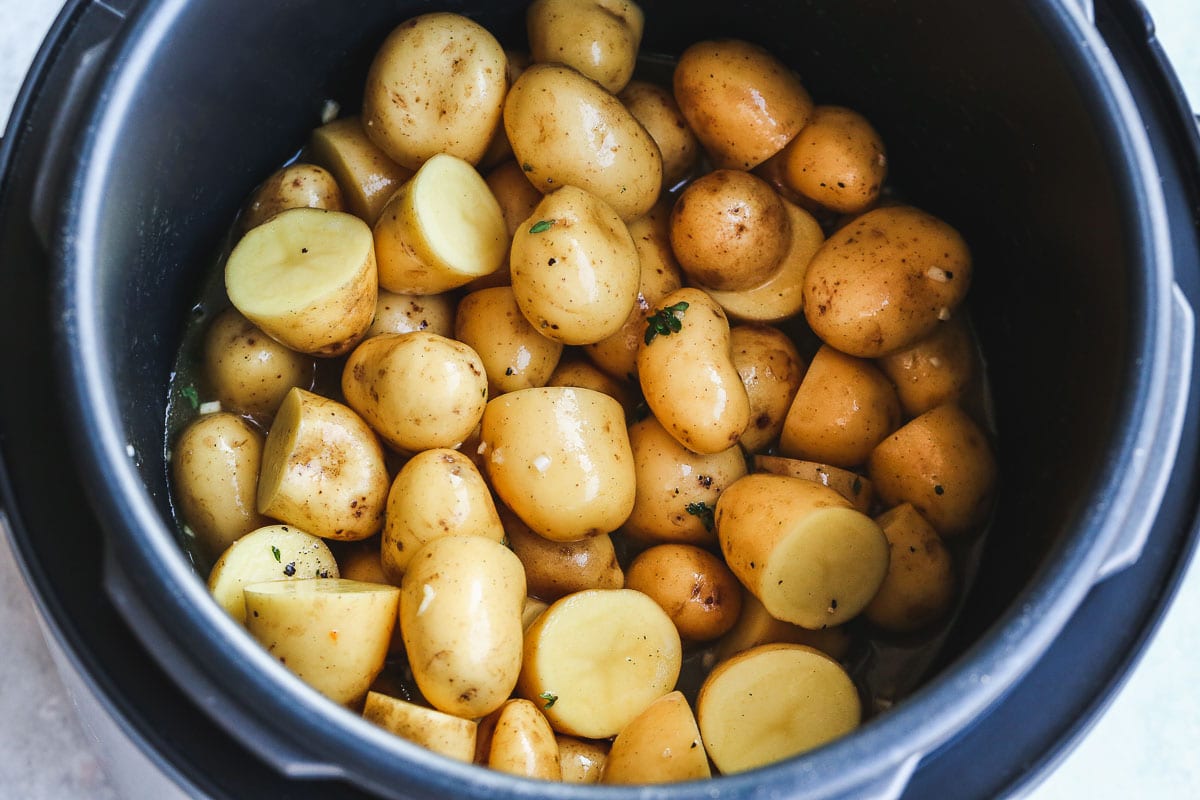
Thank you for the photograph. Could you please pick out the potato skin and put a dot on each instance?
(599, 38)
(771, 369)
(655, 108)
(935, 370)
(297, 185)
(514, 354)
(554, 569)
(520, 742)
(919, 587)
(405, 313)
(837, 161)
(364, 173)
(249, 371)
(698, 592)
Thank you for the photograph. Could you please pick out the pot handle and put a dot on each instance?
(1156, 466)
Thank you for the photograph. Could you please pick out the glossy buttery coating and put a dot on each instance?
(837, 161)
(514, 355)
(771, 369)
(249, 371)
(600, 38)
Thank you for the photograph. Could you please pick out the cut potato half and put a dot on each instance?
(660, 745)
(271, 553)
(451, 736)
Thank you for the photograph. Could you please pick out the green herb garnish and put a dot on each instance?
(192, 396)
(275, 552)
(704, 511)
(527, 167)
(665, 321)
(542, 226)
(550, 699)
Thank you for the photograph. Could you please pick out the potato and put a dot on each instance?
(749, 111)
(444, 734)
(660, 745)
(935, 370)
(214, 468)
(885, 281)
(560, 459)
(566, 130)
(532, 609)
(655, 108)
(499, 150)
(405, 313)
(574, 268)
(596, 659)
(417, 390)
(437, 492)
(520, 742)
(850, 485)
(322, 469)
(306, 277)
(365, 174)
(332, 633)
(297, 185)
(755, 626)
(686, 369)
(844, 407)
(599, 38)
(554, 569)
(460, 616)
(270, 553)
(441, 229)
(582, 760)
(800, 548)
(517, 198)
(837, 161)
(582, 375)
(514, 354)
(919, 587)
(249, 371)
(771, 370)
(729, 230)
(941, 463)
(773, 702)
(359, 561)
(677, 489)
(437, 85)
(694, 587)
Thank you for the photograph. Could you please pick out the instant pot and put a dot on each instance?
(1053, 135)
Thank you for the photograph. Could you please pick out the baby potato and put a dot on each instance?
(599, 38)
(364, 173)
(249, 371)
(935, 370)
(460, 616)
(885, 281)
(582, 760)
(844, 407)
(596, 659)
(694, 587)
(566, 130)
(322, 469)
(269, 553)
(800, 548)
(686, 369)
(850, 485)
(729, 230)
(517, 198)
(574, 268)
(405, 313)
(441, 229)
(499, 150)
(437, 85)
(520, 742)
(755, 626)
(582, 375)
(771, 369)
(560, 459)
(749, 111)
(655, 108)
(417, 390)
(919, 587)
(438, 492)
(554, 569)
(773, 702)
(660, 745)
(297, 185)
(214, 467)
(445, 734)
(837, 161)
(514, 354)
(677, 489)
(307, 278)
(940, 462)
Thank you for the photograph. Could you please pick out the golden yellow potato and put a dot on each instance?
(514, 354)
(574, 268)
(694, 587)
(214, 468)
(249, 371)
(417, 390)
(297, 185)
(773, 702)
(437, 85)
(885, 281)
(844, 407)
(655, 107)
(582, 375)
(365, 174)
(517, 198)
(499, 150)
(599, 38)
(438, 492)
(729, 230)
(446, 734)
(520, 742)
(756, 626)
(322, 469)
(554, 569)
(919, 587)
(742, 102)
(850, 485)
(566, 130)
(935, 370)
(269, 553)
(800, 548)
(837, 161)
(582, 760)
(460, 616)
(686, 369)
(677, 489)
(596, 659)
(560, 459)
(660, 745)
(771, 369)
(307, 278)
(940, 462)
(405, 313)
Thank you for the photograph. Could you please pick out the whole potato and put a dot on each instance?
(698, 592)
(582, 759)
(919, 587)
(554, 569)
(581, 374)
(364, 173)
(660, 745)
(565, 130)
(297, 185)
(249, 371)
(885, 281)
(771, 369)
(837, 161)
(514, 354)
(600, 38)
(517, 739)
(405, 313)
(655, 107)
(935, 370)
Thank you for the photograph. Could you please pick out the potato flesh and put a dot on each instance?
(453, 737)
(270, 553)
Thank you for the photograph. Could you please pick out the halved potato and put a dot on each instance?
(520, 742)
(453, 737)
(660, 745)
(271, 553)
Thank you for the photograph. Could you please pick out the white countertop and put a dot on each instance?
(1144, 745)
